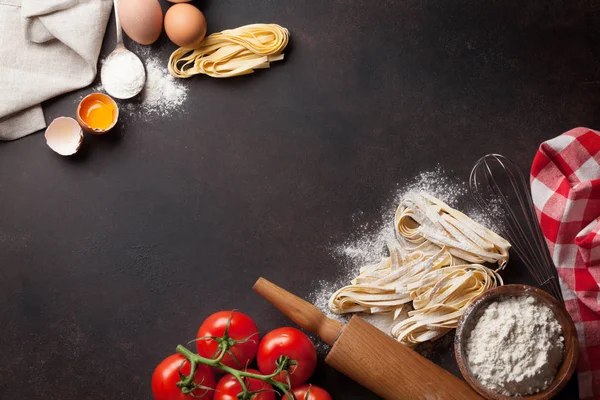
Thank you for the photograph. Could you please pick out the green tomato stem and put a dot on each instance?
(196, 359)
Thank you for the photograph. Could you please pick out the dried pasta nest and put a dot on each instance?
(435, 265)
(232, 52)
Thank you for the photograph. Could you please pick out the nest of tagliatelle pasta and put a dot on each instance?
(435, 264)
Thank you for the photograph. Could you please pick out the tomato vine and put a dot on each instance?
(187, 384)
(225, 344)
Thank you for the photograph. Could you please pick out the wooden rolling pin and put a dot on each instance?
(369, 356)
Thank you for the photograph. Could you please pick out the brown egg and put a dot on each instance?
(185, 25)
(141, 20)
(180, 1)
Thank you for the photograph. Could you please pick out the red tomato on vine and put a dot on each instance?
(310, 392)
(292, 343)
(229, 387)
(237, 329)
(166, 376)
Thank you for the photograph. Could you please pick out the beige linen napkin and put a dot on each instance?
(47, 48)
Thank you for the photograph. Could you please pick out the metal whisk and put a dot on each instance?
(498, 183)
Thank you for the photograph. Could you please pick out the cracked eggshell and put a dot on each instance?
(64, 136)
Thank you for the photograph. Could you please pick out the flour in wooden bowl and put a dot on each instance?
(515, 347)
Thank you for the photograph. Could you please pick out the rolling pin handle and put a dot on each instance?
(300, 311)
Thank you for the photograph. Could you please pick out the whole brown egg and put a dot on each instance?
(185, 25)
(141, 20)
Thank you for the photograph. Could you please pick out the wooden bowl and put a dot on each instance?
(470, 316)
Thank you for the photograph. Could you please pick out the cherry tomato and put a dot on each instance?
(241, 327)
(310, 392)
(229, 387)
(292, 343)
(166, 376)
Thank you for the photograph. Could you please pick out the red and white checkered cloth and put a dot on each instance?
(565, 185)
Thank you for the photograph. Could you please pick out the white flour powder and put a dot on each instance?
(516, 346)
(122, 75)
(370, 244)
(161, 95)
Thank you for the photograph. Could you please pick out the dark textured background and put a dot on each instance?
(110, 258)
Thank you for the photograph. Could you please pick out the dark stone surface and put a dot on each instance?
(110, 258)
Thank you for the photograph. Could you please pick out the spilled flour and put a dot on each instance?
(368, 244)
(371, 244)
(162, 95)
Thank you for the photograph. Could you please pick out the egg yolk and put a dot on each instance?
(97, 113)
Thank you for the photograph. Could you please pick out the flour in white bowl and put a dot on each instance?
(516, 346)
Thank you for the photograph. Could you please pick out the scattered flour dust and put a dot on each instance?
(368, 244)
(162, 94)
(371, 244)
(516, 346)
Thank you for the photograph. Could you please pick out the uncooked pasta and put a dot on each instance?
(423, 218)
(440, 299)
(383, 287)
(232, 52)
(427, 267)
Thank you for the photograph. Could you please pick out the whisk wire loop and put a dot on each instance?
(496, 181)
